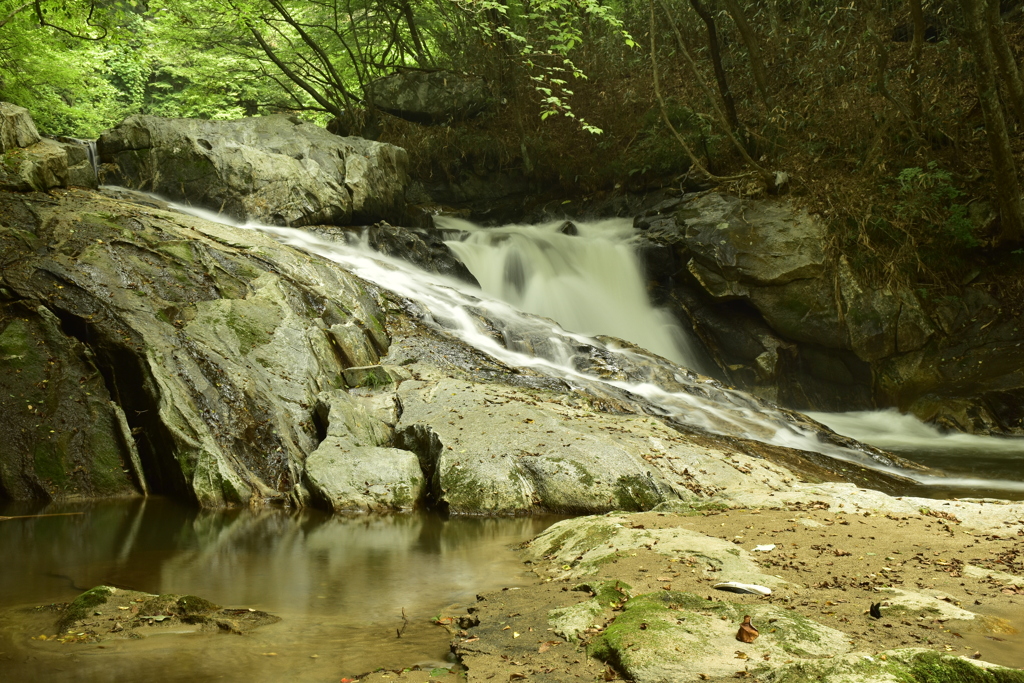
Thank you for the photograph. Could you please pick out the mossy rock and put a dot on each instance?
(190, 605)
(692, 507)
(895, 666)
(81, 606)
(672, 635)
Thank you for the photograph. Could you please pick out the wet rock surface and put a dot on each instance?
(423, 247)
(783, 321)
(214, 342)
(217, 365)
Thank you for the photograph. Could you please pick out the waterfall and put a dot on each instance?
(668, 390)
(584, 275)
(92, 152)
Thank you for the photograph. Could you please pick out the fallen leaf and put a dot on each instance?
(747, 632)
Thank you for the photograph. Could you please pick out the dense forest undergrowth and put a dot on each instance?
(898, 122)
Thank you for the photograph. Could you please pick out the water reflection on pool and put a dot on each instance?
(340, 584)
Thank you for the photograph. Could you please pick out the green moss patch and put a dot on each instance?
(83, 605)
(634, 493)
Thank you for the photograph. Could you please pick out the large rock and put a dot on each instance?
(353, 469)
(63, 436)
(40, 166)
(29, 162)
(213, 342)
(273, 169)
(16, 128)
(780, 319)
(430, 96)
(487, 450)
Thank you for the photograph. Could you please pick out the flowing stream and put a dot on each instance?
(342, 583)
(594, 279)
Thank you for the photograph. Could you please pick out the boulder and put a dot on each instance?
(487, 451)
(753, 243)
(39, 166)
(30, 162)
(213, 342)
(274, 169)
(352, 469)
(751, 278)
(430, 96)
(16, 128)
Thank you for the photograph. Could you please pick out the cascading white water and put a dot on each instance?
(590, 282)
(457, 307)
(908, 436)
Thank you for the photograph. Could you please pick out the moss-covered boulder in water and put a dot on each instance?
(106, 612)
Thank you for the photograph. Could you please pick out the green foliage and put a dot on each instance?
(544, 34)
(69, 64)
(929, 195)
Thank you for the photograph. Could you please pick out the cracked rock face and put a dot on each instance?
(213, 344)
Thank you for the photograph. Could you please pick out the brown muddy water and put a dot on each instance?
(340, 585)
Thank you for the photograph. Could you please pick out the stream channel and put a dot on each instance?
(341, 583)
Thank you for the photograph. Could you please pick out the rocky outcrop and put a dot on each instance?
(274, 169)
(17, 129)
(30, 162)
(215, 364)
(214, 343)
(783, 321)
(430, 96)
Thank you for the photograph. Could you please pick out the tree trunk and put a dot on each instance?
(917, 17)
(414, 33)
(1004, 169)
(753, 49)
(1006, 61)
(716, 60)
